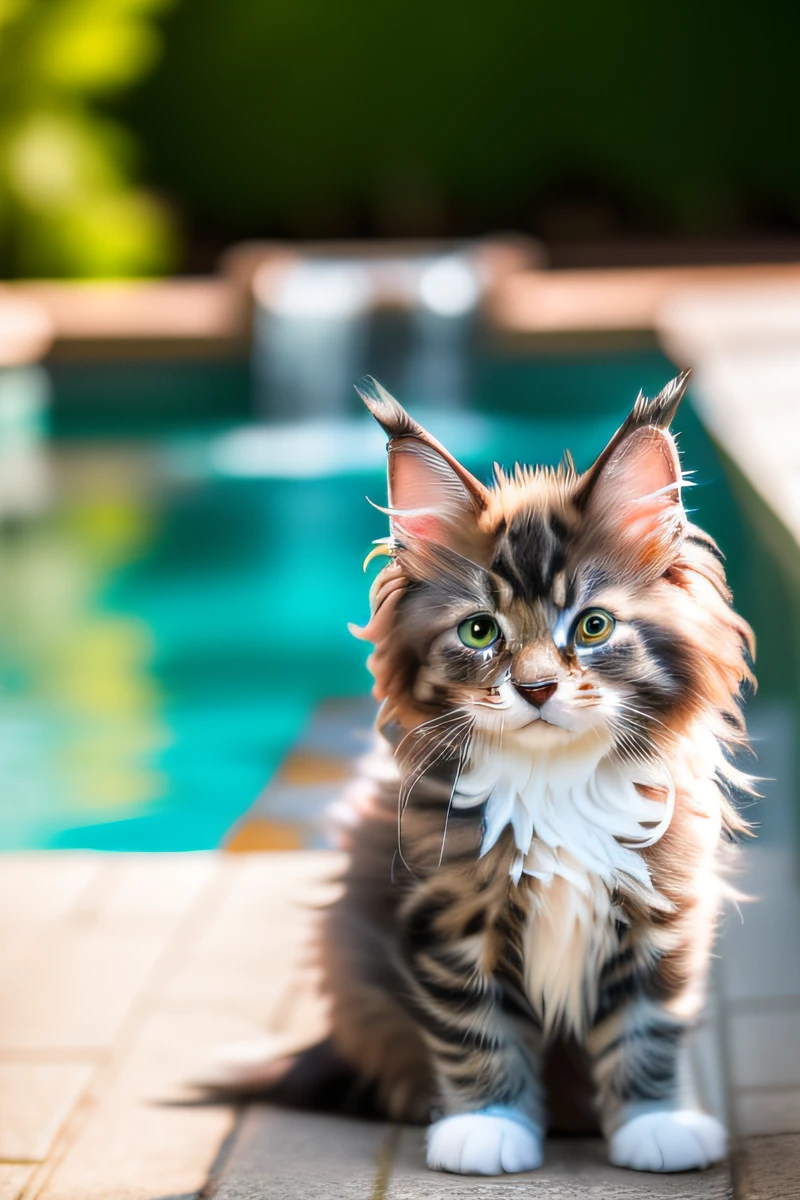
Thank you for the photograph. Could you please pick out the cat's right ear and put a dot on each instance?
(431, 496)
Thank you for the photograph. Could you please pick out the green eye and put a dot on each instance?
(594, 627)
(480, 632)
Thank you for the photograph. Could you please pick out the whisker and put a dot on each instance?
(462, 759)
(443, 737)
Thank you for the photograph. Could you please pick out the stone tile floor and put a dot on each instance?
(120, 974)
(289, 1158)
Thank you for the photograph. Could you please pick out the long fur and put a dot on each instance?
(519, 875)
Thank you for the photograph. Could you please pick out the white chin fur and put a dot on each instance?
(668, 1141)
(579, 800)
(484, 1143)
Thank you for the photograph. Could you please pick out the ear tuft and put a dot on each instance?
(431, 495)
(661, 410)
(390, 415)
(645, 414)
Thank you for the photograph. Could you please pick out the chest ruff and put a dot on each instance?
(579, 824)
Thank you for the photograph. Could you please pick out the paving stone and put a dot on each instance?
(767, 1110)
(240, 977)
(292, 808)
(760, 946)
(574, 1169)
(147, 1136)
(706, 1066)
(35, 1100)
(44, 885)
(296, 879)
(37, 891)
(157, 885)
(13, 1179)
(258, 942)
(340, 729)
(744, 343)
(764, 1048)
(15, 942)
(772, 726)
(145, 1139)
(280, 1155)
(266, 833)
(769, 1168)
(301, 1014)
(97, 960)
(72, 991)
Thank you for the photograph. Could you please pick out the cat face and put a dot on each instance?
(543, 672)
(553, 607)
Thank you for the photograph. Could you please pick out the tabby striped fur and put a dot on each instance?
(524, 872)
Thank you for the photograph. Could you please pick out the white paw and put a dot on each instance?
(668, 1141)
(484, 1143)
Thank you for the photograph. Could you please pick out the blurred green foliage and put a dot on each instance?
(67, 205)
(306, 116)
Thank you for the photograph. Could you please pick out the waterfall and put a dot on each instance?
(410, 321)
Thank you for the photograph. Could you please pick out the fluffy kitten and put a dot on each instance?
(534, 849)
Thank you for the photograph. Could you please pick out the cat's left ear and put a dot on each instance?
(632, 493)
(431, 495)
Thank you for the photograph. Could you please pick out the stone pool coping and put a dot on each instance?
(527, 308)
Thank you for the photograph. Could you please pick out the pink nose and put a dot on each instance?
(537, 693)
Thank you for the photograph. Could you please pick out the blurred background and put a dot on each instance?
(211, 223)
(213, 219)
(140, 136)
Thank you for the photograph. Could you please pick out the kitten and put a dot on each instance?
(534, 848)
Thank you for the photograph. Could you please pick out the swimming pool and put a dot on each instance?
(168, 627)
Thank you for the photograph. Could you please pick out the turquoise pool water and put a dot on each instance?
(167, 628)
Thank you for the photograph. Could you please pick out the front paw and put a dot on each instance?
(488, 1142)
(668, 1141)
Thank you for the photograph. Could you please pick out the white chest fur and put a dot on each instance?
(579, 822)
(578, 800)
(570, 932)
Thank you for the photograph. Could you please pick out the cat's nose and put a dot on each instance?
(537, 693)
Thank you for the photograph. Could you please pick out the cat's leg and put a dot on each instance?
(649, 1112)
(485, 1070)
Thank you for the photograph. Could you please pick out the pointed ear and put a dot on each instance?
(631, 496)
(658, 412)
(431, 496)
